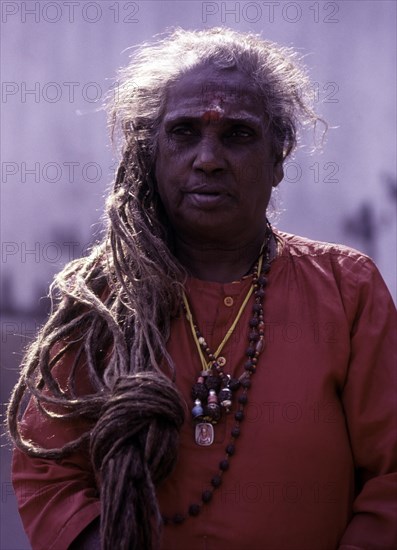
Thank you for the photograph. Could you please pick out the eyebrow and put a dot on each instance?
(235, 119)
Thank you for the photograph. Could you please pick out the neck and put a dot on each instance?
(219, 263)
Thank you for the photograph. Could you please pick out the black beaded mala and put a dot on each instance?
(214, 390)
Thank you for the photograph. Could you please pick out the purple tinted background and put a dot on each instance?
(58, 61)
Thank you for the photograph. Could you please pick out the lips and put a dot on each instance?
(206, 193)
(207, 198)
(206, 190)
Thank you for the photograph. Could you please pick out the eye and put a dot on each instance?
(181, 130)
(240, 132)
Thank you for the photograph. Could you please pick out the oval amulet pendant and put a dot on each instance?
(204, 434)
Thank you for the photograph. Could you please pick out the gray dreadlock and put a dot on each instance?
(116, 305)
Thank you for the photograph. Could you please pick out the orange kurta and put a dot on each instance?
(314, 467)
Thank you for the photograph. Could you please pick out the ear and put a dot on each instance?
(278, 173)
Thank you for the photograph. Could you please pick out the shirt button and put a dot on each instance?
(228, 301)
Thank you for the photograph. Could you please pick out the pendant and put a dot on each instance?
(204, 434)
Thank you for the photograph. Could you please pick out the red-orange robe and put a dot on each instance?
(315, 465)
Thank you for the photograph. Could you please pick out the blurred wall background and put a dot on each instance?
(59, 59)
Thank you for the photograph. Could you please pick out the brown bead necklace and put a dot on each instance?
(213, 391)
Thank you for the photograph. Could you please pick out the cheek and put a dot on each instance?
(254, 167)
(166, 189)
(163, 191)
(162, 171)
(170, 176)
(161, 180)
(264, 172)
(257, 182)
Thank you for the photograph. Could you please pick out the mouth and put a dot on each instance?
(206, 190)
(206, 193)
(205, 198)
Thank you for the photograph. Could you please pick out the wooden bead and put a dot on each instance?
(235, 431)
(178, 519)
(234, 384)
(230, 449)
(243, 399)
(199, 391)
(194, 509)
(249, 366)
(259, 346)
(213, 383)
(216, 481)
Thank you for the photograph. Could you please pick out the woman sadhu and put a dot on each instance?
(206, 381)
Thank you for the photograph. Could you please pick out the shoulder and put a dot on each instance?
(324, 255)
(298, 246)
(330, 270)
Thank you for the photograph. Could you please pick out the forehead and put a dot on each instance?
(227, 91)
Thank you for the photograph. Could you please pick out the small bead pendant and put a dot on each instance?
(204, 434)
(213, 410)
(197, 410)
(212, 398)
(225, 397)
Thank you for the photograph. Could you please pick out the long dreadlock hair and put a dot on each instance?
(117, 304)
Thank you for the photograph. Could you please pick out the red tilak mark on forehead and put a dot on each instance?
(212, 116)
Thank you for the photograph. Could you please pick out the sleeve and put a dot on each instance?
(370, 404)
(57, 499)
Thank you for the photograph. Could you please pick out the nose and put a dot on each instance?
(209, 156)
